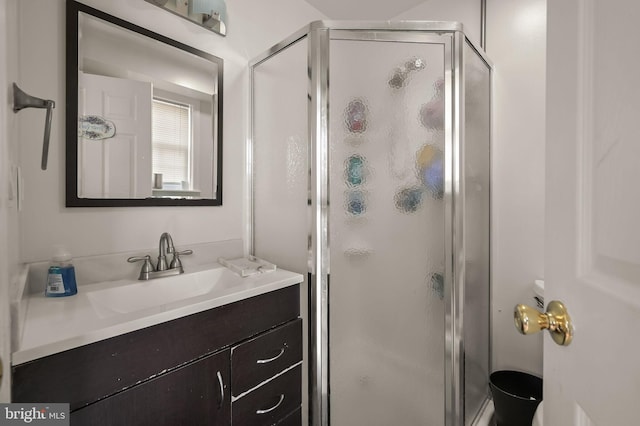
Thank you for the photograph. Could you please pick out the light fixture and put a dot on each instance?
(210, 14)
(214, 13)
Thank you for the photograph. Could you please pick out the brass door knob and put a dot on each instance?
(529, 320)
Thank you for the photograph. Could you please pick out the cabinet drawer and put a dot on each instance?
(271, 402)
(257, 360)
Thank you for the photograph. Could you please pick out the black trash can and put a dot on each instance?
(516, 396)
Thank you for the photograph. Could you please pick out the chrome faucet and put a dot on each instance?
(165, 246)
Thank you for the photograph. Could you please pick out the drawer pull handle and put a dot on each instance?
(268, 360)
(221, 389)
(272, 408)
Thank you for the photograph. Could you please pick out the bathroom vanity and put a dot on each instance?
(216, 363)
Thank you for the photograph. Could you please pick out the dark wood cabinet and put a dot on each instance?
(183, 372)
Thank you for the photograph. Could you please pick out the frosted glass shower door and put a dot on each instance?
(280, 168)
(477, 173)
(387, 231)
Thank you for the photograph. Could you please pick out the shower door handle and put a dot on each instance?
(529, 320)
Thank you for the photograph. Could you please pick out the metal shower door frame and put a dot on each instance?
(318, 36)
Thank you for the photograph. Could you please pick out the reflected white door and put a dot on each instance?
(593, 210)
(117, 167)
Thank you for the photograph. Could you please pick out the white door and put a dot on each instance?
(8, 197)
(120, 166)
(593, 211)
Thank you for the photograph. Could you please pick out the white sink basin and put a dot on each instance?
(129, 296)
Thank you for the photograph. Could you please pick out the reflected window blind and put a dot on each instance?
(171, 144)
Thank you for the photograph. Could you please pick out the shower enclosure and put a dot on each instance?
(369, 170)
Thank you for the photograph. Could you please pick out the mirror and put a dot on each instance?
(144, 116)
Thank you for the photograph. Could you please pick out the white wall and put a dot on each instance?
(260, 24)
(516, 42)
(465, 11)
(87, 231)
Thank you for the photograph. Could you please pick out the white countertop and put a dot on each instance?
(53, 325)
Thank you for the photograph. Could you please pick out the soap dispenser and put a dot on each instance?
(61, 279)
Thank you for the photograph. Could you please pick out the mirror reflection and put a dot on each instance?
(148, 117)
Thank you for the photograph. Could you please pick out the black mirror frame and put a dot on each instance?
(71, 125)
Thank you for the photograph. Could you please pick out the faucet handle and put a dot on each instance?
(176, 262)
(147, 266)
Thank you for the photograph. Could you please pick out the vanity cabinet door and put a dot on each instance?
(196, 394)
